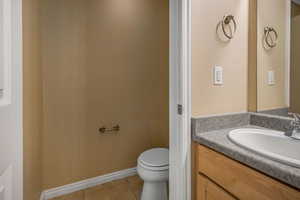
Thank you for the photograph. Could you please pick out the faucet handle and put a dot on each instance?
(296, 122)
(295, 115)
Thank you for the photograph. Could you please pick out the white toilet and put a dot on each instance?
(153, 168)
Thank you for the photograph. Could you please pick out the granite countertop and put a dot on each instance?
(218, 141)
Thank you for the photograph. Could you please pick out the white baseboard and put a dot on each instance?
(81, 185)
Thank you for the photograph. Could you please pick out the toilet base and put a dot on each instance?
(155, 190)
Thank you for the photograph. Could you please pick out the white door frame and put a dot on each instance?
(180, 94)
(11, 139)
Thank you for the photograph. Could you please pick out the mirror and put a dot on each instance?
(277, 57)
(295, 58)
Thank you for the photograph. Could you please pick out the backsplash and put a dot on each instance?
(210, 123)
(218, 122)
(271, 122)
(284, 112)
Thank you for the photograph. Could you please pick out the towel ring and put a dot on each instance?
(268, 38)
(227, 19)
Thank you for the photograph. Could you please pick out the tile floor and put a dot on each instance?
(126, 189)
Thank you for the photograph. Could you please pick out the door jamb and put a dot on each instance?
(180, 94)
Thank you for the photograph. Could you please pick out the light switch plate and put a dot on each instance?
(218, 75)
(271, 78)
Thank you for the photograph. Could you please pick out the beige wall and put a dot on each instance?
(208, 51)
(32, 98)
(272, 13)
(295, 60)
(105, 62)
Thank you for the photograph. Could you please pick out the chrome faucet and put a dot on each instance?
(296, 126)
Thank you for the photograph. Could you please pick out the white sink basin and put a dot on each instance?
(272, 144)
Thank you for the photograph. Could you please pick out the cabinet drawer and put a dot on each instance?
(243, 182)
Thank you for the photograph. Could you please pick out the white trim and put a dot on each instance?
(187, 96)
(6, 56)
(288, 53)
(81, 185)
(15, 96)
(270, 115)
(180, 93)
(174, 131)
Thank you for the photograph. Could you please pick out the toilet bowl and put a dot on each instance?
(153, 169)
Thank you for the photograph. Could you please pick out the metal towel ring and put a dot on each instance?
(268, 37)
(227, 19)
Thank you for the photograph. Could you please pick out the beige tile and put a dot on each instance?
(134, 180)
(121, 189)
(136, 186)
(99, 193)
(125, 189)
(115, 190)
(74, 196)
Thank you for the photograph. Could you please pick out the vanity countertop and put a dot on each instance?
(218, 141)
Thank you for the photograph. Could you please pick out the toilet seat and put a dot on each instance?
(155, 159)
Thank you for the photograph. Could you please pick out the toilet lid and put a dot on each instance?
(155, 157)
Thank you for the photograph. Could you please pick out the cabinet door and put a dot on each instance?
(207, 190)
(241, 181)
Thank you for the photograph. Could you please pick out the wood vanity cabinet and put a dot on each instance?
(208, 190)
(221, 178)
